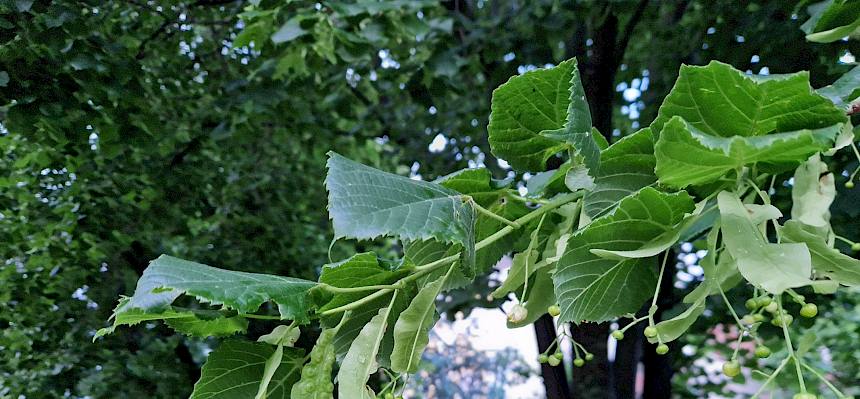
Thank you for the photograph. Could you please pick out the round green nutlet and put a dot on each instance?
(662, 349)
(731, 368)
(558, 355)
(809, 310)
(542, 358)
(758, 317)
(650, 331)
(618, 335)
(578, 362)
(553, 310)
(589, 357)
(751, 304)
(805, 395)
(849, 184)
(553, 361)
(389, 395)
(855, 247)
(763, 301)
(772, 307)
(780, 318)
(762, 352)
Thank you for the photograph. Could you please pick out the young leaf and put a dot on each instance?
(592, 288)
(412, 327)
(366, 203)
(235, 369)
(360, 360)
(358, 270)
(625, 167)
(719, 100)
(687, 156)
(773, 267)
(826, 261)
(167, 278)
(525, 106)
(315, 382)
(812, 193)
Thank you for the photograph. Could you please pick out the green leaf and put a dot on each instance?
(592, 288)
(625, 167)
(831, 21)
(315, 382)
(773, 267)
(235, 369)
(357, 271)
(412, 328)
(366, 203)
(843, 90)
(826, 261)
(217, 327)
(289, 31)
(198, 323)
(813, 191)
(525, 106)
(167, 278)
(687, 156)
(719, 100)
(360, 360)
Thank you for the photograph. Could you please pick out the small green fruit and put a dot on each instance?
(553, 361)
(554, 310)
(809, 310)
(618, 335)
(762, 352)
(389, 395)
(578, 362)
(650, 331)
(748, 319)
(805, 395)
(558, 355)
(855, 247)
(589, 357)
(731, 368)
(542, 358)
(849, 184)
(780, 318)
(662, 349)
(763, 301)
(758, 317)
(751, 304)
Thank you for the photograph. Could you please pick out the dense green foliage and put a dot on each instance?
(135, 130)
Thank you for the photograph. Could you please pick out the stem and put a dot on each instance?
(653, 308)
(772, 376)
(259, 316)
(424, 269)
(492, 215)
(843, 239)
(729, 305)
(792, 355)
(838, 393)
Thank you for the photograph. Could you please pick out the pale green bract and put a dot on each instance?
(366, 203)
(167, 278)
(413, 326)
(832, 20)
(592, 288)
(360, 360)
(812, 193)
(235, 369)
(826, 261)
(773, 267)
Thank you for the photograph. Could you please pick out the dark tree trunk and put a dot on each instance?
(554, 378)
(592, 380)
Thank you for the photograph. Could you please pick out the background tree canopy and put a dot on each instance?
(200, 128)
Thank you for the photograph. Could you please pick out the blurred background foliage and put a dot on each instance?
(199, 128)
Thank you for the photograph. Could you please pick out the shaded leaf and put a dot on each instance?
(235, 369)
(625, 167)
